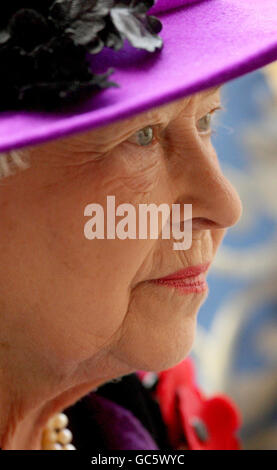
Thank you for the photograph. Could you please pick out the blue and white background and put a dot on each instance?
(236, 345)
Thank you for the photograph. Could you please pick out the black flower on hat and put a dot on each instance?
(44, 46)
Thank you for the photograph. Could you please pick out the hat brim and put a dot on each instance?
(205, 44)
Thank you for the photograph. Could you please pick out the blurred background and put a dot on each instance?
(236, 345)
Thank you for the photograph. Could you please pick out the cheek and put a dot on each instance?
(74, 290)
(81, 288)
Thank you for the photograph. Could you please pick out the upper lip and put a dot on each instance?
(190, 271)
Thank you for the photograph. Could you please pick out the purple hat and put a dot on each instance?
(205, 43)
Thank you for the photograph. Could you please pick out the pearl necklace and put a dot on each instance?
(55, 435)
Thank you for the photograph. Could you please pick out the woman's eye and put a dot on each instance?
(144, 136)
(204, 124)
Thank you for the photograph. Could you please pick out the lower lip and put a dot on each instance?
(196, 284)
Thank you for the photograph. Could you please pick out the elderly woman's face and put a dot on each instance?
(71, 297)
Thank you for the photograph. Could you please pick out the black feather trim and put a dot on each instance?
(44, 46)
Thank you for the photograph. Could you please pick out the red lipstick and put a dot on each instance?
(186, 281)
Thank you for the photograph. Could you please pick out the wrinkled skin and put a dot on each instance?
(76, 312)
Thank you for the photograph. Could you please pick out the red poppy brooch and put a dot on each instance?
(194, 421)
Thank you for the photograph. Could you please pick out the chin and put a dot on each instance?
(159, 330)
(160, 348)
(171, 348)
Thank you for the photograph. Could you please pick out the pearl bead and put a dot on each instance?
(58, 421)
(52, 446)
(69, 447)
(64, 436)
(56, 436)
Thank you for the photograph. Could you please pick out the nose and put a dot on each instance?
(215, 201)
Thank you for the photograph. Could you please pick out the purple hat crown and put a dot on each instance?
(49, 42)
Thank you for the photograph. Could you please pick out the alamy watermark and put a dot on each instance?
(140, 222)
